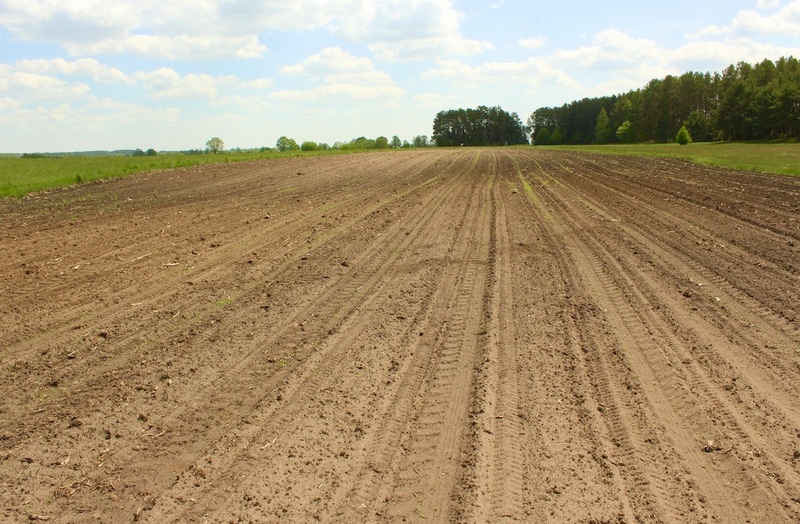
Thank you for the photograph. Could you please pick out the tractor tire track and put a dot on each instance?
(447, 335)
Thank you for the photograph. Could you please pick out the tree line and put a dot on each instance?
(482, 126)
(289, 144)
(283, 144)
(743, 102)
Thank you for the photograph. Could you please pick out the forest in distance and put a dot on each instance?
(743, 102)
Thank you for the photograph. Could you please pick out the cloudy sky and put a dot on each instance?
(170, 74)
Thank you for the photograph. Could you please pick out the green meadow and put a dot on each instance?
(782, 158)
(20, 176)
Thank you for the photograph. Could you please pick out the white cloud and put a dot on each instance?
(712, 55)
(354, 91)
(259, 84)
(8, 104)
(614, 62)
(32, 86)
(83, 67)
(427, 48)
(749, 23)
(786, 20)
(711, 30)
(105, 111)
(168, 83)
(330, 60)
(355, 73)
(41, 101)
(180, 47)
(634, 61)
(533, 43)
(63, 112)
(516, 75)
(171, 29)
(611, 49)
(408, 30)
(87, 20)
(184, 29)
(397, 20)
(251, 103)
(435, 101)
(78, 119)
(404, 29)
(341, 74)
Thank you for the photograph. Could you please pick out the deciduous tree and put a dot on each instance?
(699, 127)
(215, 145)
(420, 141)
(286, 144)
(542, 137)
(556, 137)
(625, 132)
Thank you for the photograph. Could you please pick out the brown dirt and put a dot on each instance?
(461, 335)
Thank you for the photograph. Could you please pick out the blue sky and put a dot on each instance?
(170, 74)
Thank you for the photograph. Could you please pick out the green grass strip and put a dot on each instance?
(779, 158)
(20, 176)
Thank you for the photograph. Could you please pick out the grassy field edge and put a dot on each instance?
(21, 176)
(778, 158)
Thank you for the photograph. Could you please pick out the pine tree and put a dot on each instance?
(602, 129)
(683, 136)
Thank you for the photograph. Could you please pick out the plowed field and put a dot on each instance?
(460, 335)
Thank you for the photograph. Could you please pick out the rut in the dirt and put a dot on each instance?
(443, 335)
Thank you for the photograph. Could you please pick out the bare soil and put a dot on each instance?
(459, 335)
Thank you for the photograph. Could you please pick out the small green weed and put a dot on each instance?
(223, 302)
